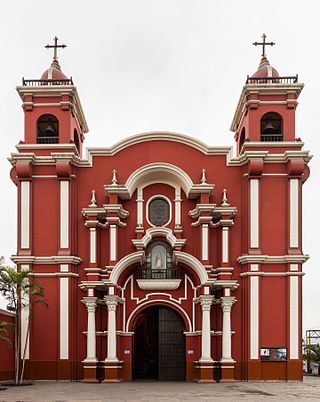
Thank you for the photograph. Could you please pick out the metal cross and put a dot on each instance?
(55, 47)
(263, 44)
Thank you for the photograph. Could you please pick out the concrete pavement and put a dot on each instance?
(45, 391)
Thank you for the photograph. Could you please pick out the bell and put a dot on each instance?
(269, 128)
(50, 131)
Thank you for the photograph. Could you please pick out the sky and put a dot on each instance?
(173, 65)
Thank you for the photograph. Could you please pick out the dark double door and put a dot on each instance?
(159, 345)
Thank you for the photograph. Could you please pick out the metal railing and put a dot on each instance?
(35, 83)
(47, 140)
(271, 137)
(158, 274)
(272, 80)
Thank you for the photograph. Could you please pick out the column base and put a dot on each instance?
(224, 371)
(113, 371)
(205, 371)
(89, 372)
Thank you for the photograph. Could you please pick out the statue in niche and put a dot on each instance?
(159, 257)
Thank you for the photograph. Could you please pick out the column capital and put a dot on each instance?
(206, 302)
(91, 303)
(227, 302)
(112, 301)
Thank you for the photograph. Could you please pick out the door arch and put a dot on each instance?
(159, 351)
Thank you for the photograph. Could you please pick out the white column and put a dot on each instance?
(25, 214)
(254, 213)
(206, 301)
(226, 304)
(24, 320)
(139, 206)
(91, 303)
(113, 242)
(294, 318)
(93, 245)
(177, 205)
(254, 313)
(112, 302)
(64, 214)
(64, 314)
(205, 240)
(225, 244)
(294, 213)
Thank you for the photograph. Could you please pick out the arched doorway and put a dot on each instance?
(159, 345)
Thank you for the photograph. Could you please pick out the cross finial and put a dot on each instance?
(55, 47)
(263, 44)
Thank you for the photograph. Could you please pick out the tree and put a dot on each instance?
(22, 293)
(312, 354)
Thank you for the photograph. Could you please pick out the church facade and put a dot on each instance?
(162, 257)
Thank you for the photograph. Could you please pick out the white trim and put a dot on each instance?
(294, 212)
(139, 206)
(93, 245)
(64, 214)
(294, 318)
(64, 318)
(177, 205)
(254, 267)
(24, 320)
(205, 240)
(170, 209)
(25, 214)
(113, 242)
(254, 213)
(225, 244)
(254, 317)
(294, 267)
(125, 262)
(64, 268)
(193, 263)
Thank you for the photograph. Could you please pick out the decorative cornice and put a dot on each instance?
(55, 259)
(272, 259)
(262, 273)
(162, 232)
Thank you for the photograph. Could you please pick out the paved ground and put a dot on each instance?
(165, 391)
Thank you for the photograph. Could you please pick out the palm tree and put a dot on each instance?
(21, 291)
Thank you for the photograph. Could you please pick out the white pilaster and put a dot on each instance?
(139, 206)
(206, 301)
(24, 320)
(225, 244)
(226, 304)
(93, 245)
(294, 318)
(254, 213)
(91, 303)
(64, 214)
(254, 314)
(205, 239)
(64, 315)
(294, 213)
(177, 204)
(25, 214)
(112, 302)
(113, 242)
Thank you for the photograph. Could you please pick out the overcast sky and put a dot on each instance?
(143, 65)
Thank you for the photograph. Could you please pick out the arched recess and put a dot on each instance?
(138, 257)
(157, 302)
(159, 172)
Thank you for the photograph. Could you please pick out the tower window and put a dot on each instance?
(47, 129)
(242, 138)
(271, 127)
(76, 139)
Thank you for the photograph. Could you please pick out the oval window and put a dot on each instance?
(159, 211)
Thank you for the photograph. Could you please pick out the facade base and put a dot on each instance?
(90, 373)
(204, 372)
(225, 372)
(113, 372)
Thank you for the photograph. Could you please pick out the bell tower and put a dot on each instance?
(266, 108)
(53, 113)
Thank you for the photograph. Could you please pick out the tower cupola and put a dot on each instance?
(53, 113)
(266, 108)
